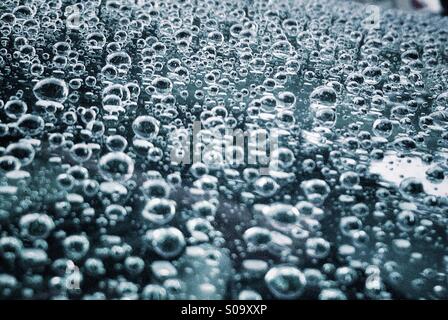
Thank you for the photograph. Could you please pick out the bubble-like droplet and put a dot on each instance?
(382, 127)
(51, 89)
(9, 163)
(324, 96)
(159, 210)
(36, 225)
(116, 166)
(81, 152)
(145, 127)
(285, 282)
(316, 190)
(22, 151)
(14, 109)
(76, 246)
(167, 242)
(30, 125)
(266, 186)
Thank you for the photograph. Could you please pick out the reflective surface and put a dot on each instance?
(120, 177)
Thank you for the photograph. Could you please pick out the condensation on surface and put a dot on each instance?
(197, 149)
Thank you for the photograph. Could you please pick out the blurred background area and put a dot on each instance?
(436, 6)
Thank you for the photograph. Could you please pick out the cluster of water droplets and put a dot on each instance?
(96, 96)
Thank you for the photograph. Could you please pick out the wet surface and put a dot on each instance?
(104, 106)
